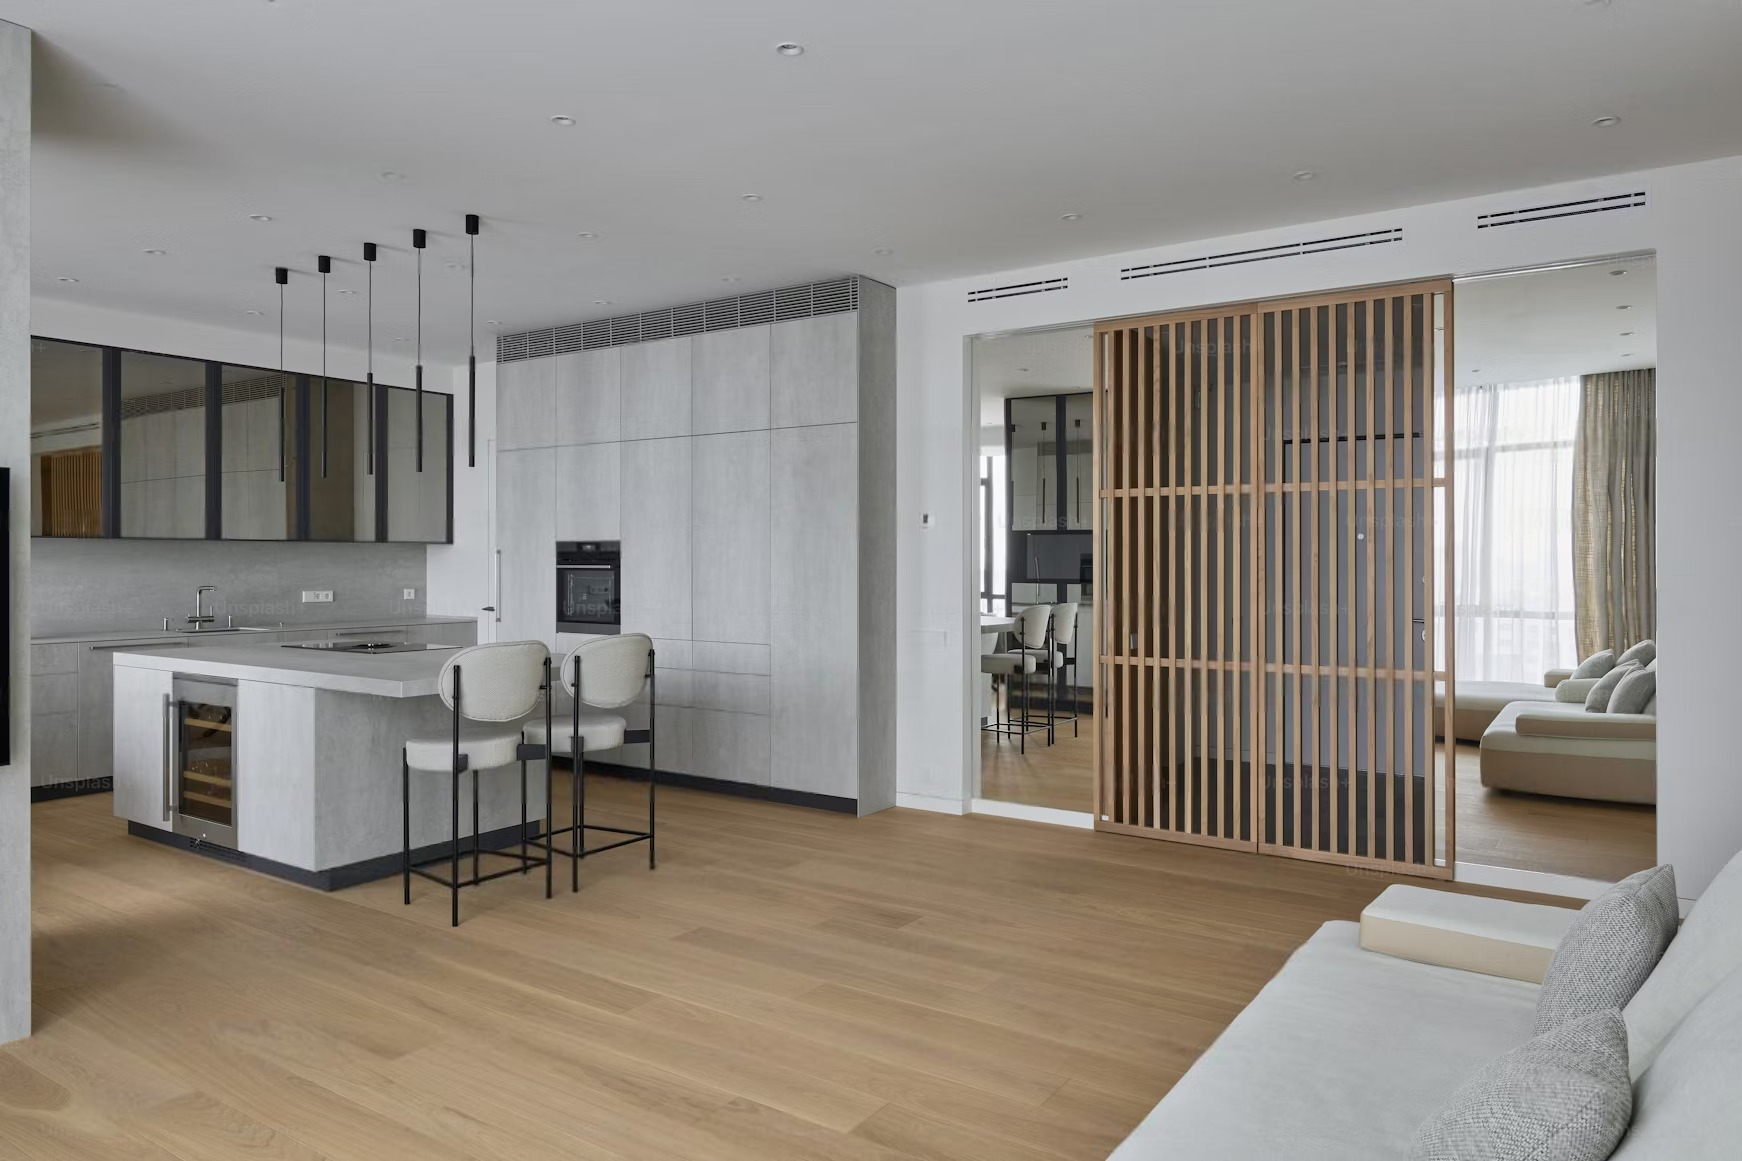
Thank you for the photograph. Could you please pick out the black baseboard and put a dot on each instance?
(333, 878)
(778, 794)
(71, 789)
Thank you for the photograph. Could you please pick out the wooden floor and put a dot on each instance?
(788, 984)
(1060, 776)
(1562, 836)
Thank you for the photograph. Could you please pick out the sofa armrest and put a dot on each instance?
(1554, 677)
(1495, 937)
(1574, 690)
(1606, 727)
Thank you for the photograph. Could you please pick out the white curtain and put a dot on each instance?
(1513, 530)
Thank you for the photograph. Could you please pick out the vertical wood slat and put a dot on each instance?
(1102, 602)
(1132, 707)
(1351, 824)
(1140, 618)
(1217, 703)
(1274, 405)
(1412, 579)
(1174, 479)
(1373, 446)
(1388, 588)
(1200, 678)
(1162, 676)
(1448, 540)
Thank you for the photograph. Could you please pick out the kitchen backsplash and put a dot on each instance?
(100, 585)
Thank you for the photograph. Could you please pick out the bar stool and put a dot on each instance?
(1064, 636)
(1033, 632)
(606, 673)
(488, 685)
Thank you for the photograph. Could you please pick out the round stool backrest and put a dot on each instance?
(613, 670)
(498, 683)
(1031, 626)
(1064, 624)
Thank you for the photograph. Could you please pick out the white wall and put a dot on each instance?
(1692, 222)
(15, 455)
(462, 574)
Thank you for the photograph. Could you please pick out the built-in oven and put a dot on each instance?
(588, 594)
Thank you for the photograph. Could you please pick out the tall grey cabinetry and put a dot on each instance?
(749, 473)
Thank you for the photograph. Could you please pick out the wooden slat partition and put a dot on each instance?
(1268, 509)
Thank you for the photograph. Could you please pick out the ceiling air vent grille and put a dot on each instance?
(1548, 213)
(1264, 254)
(1018, 289)
(835, 296)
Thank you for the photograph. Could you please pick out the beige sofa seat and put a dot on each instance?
(1480, 702)
(1494, 937)
(1560, 749)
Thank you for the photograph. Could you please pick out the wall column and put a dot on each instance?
(15, 455)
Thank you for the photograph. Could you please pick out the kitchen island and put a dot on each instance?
(287, 760)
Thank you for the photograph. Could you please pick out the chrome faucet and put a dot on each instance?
(201, 618)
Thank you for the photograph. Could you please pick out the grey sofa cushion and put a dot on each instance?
(1634, 692)
(1562, 1096)
(1597, 664)
(1610, 949)
(1645, 653)
(1684, 1104)
(1597, 701)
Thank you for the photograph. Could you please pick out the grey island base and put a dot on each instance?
(314, 773)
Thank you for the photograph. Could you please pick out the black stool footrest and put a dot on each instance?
(522, 863)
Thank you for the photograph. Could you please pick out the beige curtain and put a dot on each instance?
(1615, 511)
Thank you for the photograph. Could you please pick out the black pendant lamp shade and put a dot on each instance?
(369, 379)
(472, 226)
(281, 275)
(324, 264)
(419, 240)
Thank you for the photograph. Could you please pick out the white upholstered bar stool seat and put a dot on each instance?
(483, 749)
(597, 731)
(1008, 664)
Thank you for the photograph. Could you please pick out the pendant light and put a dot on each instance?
(324, 264)
(472, 226)
(281, 275)
(369, 379)
(419, 239)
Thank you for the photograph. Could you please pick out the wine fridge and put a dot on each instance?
(200, 770)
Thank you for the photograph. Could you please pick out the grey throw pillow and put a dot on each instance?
(1612, 945)
(1596, 665)
(1634, 692)
(1645, 653)
(1597, 700)
(1563, 1096)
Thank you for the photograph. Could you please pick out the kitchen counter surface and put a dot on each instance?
(380, 675)
(65, 635)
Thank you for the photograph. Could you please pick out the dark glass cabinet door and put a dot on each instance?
(66, 439)
(163, 447)
(417, 502)
(258, 472)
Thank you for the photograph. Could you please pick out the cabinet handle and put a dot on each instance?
(170, 727)
(497, 608)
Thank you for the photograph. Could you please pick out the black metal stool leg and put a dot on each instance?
(652, 783)
(549, 817)
(525, 867)
(580, 814)
(476, 837)
(405, 849)
(454, 854)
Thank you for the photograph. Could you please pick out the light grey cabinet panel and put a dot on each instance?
(656, 389)
(814, 371)
(460, 633)
(729, 657)
(54, 693)
(731, 537)
(589, 396)
(589, 482)
(729, 746)
(525, 404)
(741, 693)
(656, 537)
(54, 748)
(54, 659)
(814, 585)
(141, 779)
(97, 702)
(526, 537)
(731, 380)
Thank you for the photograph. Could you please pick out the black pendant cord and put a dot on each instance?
(472, 226)
(369, 260)
(325, 265)
(281, 275)
(419, 239)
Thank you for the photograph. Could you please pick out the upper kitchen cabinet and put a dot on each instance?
(657, 388)
(341, 470)
(258, 469)
(814, 371)
(163, 447)
(731, 380)
(589, 396)
(66, 439)
(526, 404)
(418, 505)
(1079, 435)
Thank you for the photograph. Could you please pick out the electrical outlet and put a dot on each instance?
(410, 594)
(317, 596)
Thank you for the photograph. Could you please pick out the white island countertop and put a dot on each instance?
(410, 674)
(67, 634)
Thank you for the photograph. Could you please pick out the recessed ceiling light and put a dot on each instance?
(789, 48)
(1626, 354)
(1305, 174)
(492, 322)
(883, 251)
(1617, 273)
(456, 265)
(252, 312)
(66, 278)
(1608, 122)
(1022, 370)
(154, 252)
(1475, 370)
(347, 292)
(731, 278)
(601, 302)
(562, 119)
(586, 235)
(1625, 306)
(259, 217)
(1626, 334)
(400, 339)
(389, 175)
(749, 197)
(1070, 217)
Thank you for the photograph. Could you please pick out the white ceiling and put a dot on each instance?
(955, 135)
(1030, 363)
(1554, 323)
